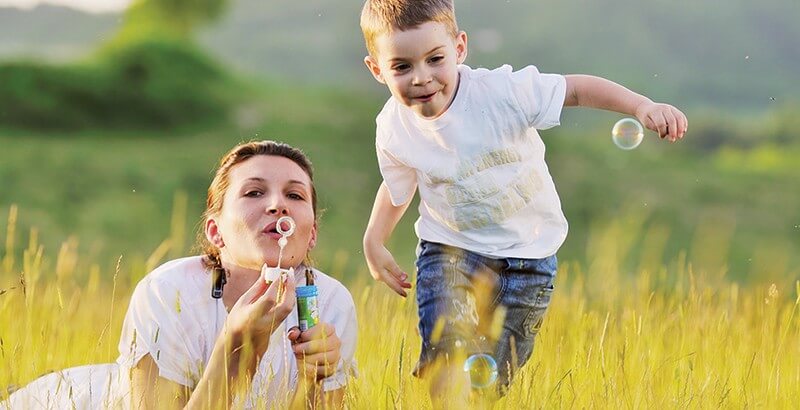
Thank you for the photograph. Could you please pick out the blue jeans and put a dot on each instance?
(478, 304)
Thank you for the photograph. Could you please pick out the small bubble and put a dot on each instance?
(134, 190)
(482, 370)
(772, 98)
(746, 57)
(319, 15)
(655, 75)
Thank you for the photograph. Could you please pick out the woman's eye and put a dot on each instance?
(295, 196)
(253, 194)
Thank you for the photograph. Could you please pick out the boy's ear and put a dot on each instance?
(461, 47)
(374, 68)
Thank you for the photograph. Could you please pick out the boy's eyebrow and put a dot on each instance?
(429, 52)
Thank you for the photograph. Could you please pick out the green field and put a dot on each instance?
(677, 285)
(729, 204)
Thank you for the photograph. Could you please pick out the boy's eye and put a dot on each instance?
(437, 59)
(401, 67)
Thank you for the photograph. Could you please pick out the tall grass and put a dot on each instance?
(663, 337)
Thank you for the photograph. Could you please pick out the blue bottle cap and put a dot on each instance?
(306, 291)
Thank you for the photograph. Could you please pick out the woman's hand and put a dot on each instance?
(317, 351)
(260, 311)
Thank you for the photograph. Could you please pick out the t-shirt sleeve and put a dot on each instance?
(155, 324)
(400, 179)
(540, 96)
(347, 329)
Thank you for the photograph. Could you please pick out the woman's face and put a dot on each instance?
(262, 189)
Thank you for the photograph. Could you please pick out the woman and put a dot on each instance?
(183, 347)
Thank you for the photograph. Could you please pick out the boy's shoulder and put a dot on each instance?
(495, 76)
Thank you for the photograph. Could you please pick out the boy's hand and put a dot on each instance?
(383, 267)
(668, 121)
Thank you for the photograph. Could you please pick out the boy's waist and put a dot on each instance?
(515, 239)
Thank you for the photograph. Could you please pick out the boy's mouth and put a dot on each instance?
(426, 97)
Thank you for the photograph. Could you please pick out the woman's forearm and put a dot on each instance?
(230, 368)
(306, 394)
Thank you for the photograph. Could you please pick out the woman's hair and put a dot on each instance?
(221, 182)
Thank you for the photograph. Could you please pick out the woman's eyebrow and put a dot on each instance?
(296, 182)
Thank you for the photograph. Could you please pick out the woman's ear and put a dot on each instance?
(213, 234)
(374, 68)
(312, 240)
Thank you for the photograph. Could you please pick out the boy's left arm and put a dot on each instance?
(595, 92)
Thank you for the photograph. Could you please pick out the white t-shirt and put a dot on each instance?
(173, 318)
(480, 169)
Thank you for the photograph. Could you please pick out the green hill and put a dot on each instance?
(732, 206)
(734, 55)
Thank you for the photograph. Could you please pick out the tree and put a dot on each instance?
(177, 18)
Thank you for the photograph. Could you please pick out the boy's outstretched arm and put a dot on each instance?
(382, 221)
(596, 92)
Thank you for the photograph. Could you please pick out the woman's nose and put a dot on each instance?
(277, 207)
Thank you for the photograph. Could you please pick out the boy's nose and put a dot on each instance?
(422, 77)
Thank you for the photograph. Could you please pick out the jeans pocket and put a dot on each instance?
(535, 317)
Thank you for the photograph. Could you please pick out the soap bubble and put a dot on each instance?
(482, 370)
(627, 133)
(285, 226)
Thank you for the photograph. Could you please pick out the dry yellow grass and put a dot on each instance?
(666, 338)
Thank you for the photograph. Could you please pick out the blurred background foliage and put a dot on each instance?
(111, 124)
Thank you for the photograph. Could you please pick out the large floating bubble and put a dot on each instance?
(627, 133)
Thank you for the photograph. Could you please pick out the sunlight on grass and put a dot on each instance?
(660, 338)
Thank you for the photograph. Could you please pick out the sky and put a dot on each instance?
(94, 6)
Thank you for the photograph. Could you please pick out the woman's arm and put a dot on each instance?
(149, 390)
(235, 357)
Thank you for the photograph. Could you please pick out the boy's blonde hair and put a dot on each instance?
(382, 16)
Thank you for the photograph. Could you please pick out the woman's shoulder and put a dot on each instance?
(183, 274)
(333, 290)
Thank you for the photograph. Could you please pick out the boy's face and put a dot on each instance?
(419, 66)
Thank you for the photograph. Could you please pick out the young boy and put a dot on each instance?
(490, 218)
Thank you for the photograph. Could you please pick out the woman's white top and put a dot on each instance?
(173, 318)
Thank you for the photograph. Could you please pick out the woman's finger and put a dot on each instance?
(253, 293)
(293, 334)
(317, 346)
(321, 330)
(278, 298)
